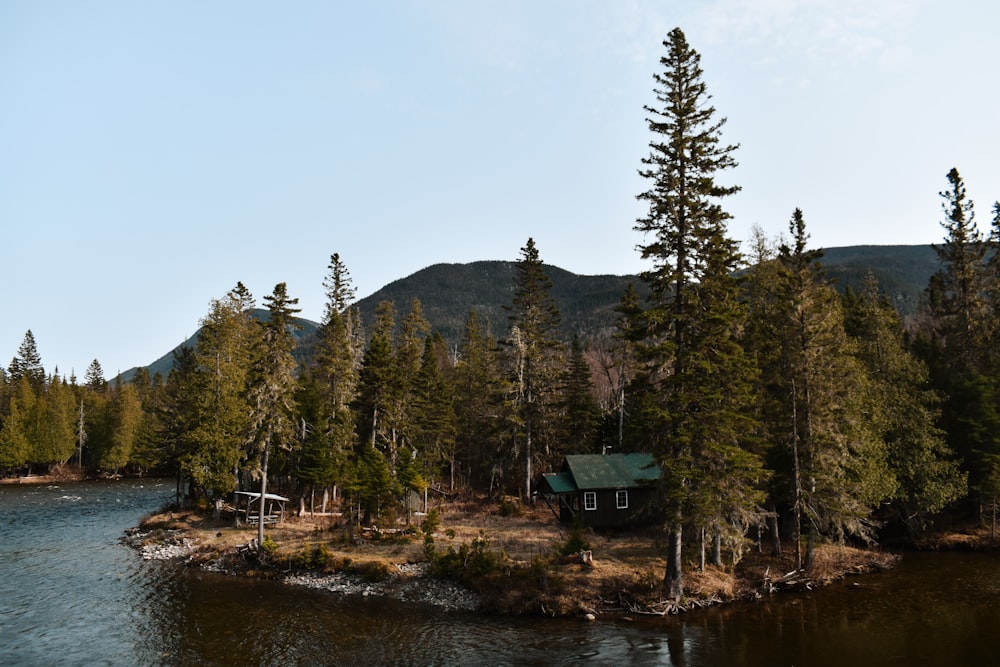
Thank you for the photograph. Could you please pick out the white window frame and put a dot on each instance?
(589, 500)
(621, 499)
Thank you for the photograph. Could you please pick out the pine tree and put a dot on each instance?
(903, 407)
(179, 415)
(580, 411)
(94, 377)
(837, 463)
(434, 422)
(956, 293)
(378, 384)
(478, 402)
(125, 421)
(957, 345)
(27, 363)
(534, 349)
(227, 342)
(15, 442)
(53, 439)
(696, 401)
(330, 385)
(272, 388)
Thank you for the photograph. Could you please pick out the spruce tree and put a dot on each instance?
(580, 411)
(179, 415)
(272, 387)
(27, 363)
(903, 408)
(957, 343)
(227, 342)
(433, 424)
(331, 384)
(94, 377)
(478, 402)
(533, 347)
(696, 400)
(837, 464)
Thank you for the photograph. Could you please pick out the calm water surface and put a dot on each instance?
(70, 594)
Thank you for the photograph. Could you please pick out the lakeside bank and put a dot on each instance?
(481, 560)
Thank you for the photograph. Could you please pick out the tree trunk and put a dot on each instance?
(263, 494)
(673, 580)
(717, 548)
(701, 560)
(775, 534)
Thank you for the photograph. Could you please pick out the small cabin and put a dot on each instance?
(604, 490)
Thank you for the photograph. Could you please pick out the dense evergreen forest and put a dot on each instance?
(775, 404)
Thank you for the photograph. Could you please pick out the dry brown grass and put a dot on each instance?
(627, 566)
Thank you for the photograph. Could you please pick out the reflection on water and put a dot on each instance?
(71, 594)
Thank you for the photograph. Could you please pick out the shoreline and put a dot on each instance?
(609, 586)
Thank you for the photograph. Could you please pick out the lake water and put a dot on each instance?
(71, 594)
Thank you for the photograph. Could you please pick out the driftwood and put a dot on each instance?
(582, 557)
(796, 580)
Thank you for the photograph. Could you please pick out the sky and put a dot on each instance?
(155, 153)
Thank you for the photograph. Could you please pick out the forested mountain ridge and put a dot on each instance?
(902, 271)
(447, 292)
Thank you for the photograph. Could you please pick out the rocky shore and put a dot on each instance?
(507, 565)
(410, 584)
(404, 582)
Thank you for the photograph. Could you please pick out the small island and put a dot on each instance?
(474, 555)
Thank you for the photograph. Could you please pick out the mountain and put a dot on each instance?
(304, 336)
(903, 271)
(447, 293)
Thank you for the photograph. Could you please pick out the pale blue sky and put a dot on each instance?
(152, 154)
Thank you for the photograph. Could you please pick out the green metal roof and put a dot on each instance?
(608, 471)
(560, 482)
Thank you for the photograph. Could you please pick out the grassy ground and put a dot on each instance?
(519, 570)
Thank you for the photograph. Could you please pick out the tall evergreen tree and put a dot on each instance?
(434, 422)
(478, 402)
(534, 349)
(330, 385)
(15, 441)
(581, 413)
(837, 465)
(956, 345)
(125, 420)
(227, 343)
(53, 439)
(94, 377)
(903, 407)
(27, 363)
(378, 384)
(957, 290)
(179, 415)
(272, 388)
(695, 370)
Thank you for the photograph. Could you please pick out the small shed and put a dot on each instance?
(604, 490)
(274, 512)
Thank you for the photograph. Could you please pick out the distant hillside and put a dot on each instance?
(164, 364)
(903, 271)
(447, 293)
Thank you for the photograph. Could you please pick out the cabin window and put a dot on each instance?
(621, 499)
(590, 500)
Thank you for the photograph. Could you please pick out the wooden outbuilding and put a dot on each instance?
(274, 512)
(604, 490)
